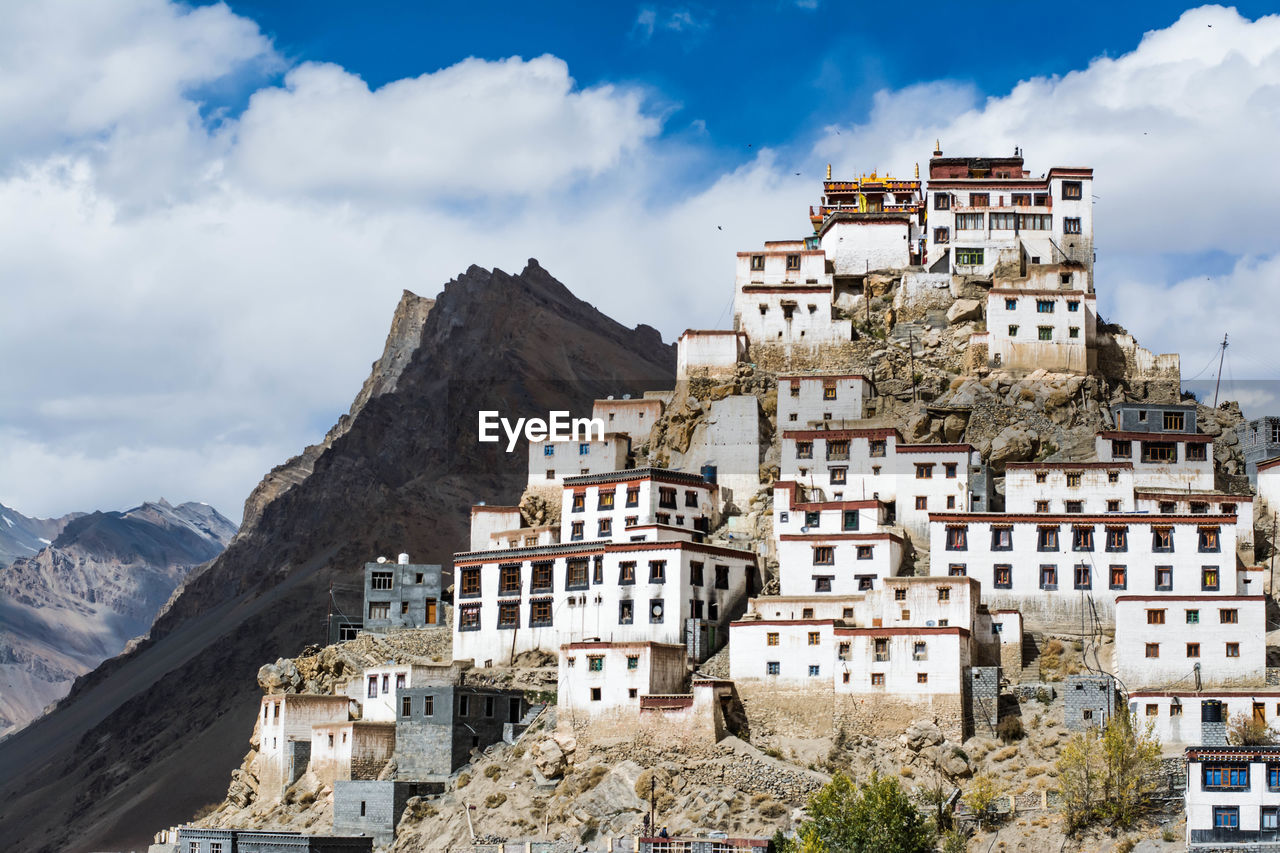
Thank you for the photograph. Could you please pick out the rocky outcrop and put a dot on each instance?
(21, 536)
(149, 738)
(91, 591)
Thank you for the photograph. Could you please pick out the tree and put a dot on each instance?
(1109, 775)
(1248, 730)
(981, 796)
(875, 817)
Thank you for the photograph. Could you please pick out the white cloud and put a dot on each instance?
(477, 129)
(189, 303)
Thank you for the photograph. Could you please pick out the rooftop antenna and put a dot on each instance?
(1222, 355)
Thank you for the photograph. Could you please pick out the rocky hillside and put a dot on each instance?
(25, 537)
(90, 591)
(150, 737)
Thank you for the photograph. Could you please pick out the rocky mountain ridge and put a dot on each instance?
(89, 592)
(21, 536)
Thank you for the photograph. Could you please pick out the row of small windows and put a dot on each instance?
(1209, 539)
(757, 262)
(541, 613)
(1193, 650)
(1159, 451)
(838, 448)
(579, 574)
(667, 498)
(584, 449)
(1082, 577)
(1045, 333)
(604, 526)
(1043, 306)
(825, 555)
(1071, 190)
(813, 519)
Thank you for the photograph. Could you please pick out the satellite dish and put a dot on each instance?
(657, 610)
(804, 529)
(929, 624)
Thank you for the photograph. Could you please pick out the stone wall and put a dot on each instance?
(373, 808)
(983, 700)
(1088, 694)
(821, 712)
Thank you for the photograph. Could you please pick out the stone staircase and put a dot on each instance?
(511, 731)
(1031, 642)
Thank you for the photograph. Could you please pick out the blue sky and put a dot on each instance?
(208, 213)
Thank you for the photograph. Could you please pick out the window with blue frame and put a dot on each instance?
(584, 449)
(549, 450)
(1273, 777)
(1226, 817)
(814, 670)
(1222, 776)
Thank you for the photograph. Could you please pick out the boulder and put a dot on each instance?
(918, 427)
(1013, 444)
(953, 427)
(921, 733)
(279, 677)
(964, 309)
(952, 760)
(549, 759)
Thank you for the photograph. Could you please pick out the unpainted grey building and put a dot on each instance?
(200, 840)
(402, 595)
(1155, 417)
(374, 808)
(1088, 701)
(1259, 441)
(438, 726)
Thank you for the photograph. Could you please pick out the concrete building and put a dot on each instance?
(1045, 319)
(1068, 487)
(784, 296)
(551, 461)
(1232, 799)
(837, 563)
(1217, 640)
(665, 591)
(599, 680)
(402, 595)
(1164, 418)
(375, 688)
(1259, 442)
(1161, 460)
(192, 839)
(873, 222)
(1171, 502)
(1088, 701)
(438, 726)
(910, 646)
(284, 736)
(987, 213)
(373, 808)
(875, 464)
(639, 504)
(630, 416)
(728, 443)
(354, 749)
(833, 400)
(1040, 563)
(1267, 478)
(693, 844)
(709, 354)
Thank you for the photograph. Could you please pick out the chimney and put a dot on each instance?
(1213, 728)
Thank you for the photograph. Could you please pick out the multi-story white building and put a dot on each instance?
(836, 400)
(875, 464)
(375, 688)
(1173, 502)
(355, 749)
(631, 416)
(784, 296)
(986, 212)
(597, 679)
(1232, 800)
(794, 514)
(1044, 319)
(639, 504)
(284, 736)
(1162, 443)
(1211, 640)
(666, 591)
(551, 461)
(1068, 487)
(838, 564)
(1044, 562)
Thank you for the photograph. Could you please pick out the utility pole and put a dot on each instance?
(1221, 357)
(866, 293)
(911, 352)
(653, 784)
